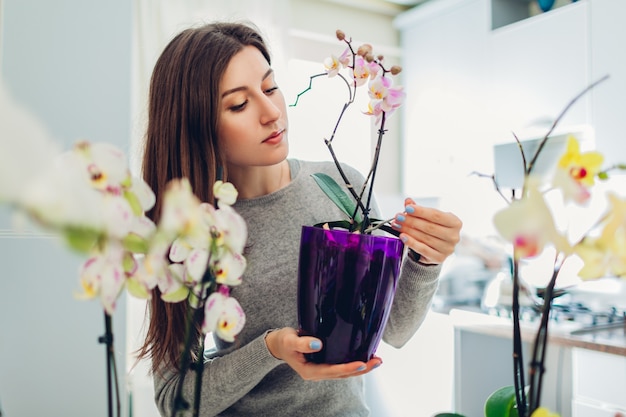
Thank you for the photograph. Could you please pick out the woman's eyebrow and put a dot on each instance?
(233, 90)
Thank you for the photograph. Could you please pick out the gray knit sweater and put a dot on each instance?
(243, 378)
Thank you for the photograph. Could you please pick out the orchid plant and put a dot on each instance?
(357, 68)
(528, 224)
(88, 197)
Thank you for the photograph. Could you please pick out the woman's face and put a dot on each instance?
(252, 115)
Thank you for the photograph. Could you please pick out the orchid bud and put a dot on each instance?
(340, 34)
(369, 57)
(395, 70)
(380, 58)
(364, 49)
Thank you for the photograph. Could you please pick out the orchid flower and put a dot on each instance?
(384, 98)
(103, 276)
(606, 254)
(528, 224)
(576, 172)
(204, 237)
(361, 71)
(223, 315)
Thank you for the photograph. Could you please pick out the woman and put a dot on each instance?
(214, 103)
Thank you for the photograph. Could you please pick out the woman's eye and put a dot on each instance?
(239, 107)
(271, 89)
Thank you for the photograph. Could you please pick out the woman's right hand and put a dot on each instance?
(286, 345)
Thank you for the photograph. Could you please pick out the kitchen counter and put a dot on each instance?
(611, 341)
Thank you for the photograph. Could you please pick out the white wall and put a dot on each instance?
(472, 87)
(68, 62)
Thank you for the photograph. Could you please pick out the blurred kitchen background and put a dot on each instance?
(475, 72)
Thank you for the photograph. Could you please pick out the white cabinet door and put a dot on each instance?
(580, 409)
(539, 65)
(599, 379)
(608, 38)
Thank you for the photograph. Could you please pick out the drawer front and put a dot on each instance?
(600, 377)
(580, 409)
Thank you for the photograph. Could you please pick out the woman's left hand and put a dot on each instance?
(430, 232)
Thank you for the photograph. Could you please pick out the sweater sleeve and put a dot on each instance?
(225, 379)
(414, 293)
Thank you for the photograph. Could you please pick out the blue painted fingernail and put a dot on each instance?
(361, 368)
(400, 218)
(376, 366)
(403, 239)
(409, 209)
(315, 344)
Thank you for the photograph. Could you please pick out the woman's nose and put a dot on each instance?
(270, 111)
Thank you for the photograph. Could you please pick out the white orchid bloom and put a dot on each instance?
(103, 276)
(225, 193)
(196, 265)
(227, 227)
(228, 268)
(180, 214)
(223, 315)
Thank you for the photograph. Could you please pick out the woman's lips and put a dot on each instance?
(275, 137)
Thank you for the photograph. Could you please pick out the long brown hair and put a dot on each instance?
(181, 141)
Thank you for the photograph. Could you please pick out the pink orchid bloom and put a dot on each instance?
(345, 57)
(361, 71)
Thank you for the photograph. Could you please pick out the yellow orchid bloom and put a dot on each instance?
(606, 253)
(580, 167)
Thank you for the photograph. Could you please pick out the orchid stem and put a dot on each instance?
(537, 369)
(518, 360)
(107, 340)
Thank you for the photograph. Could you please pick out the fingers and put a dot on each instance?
(317, 372)
(287, 345)
(430, 232)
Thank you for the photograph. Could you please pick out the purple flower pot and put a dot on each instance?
(346, 284)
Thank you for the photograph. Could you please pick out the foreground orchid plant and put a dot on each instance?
(527, 223)
(88, 197)
(356, 69)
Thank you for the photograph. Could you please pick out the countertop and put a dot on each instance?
(611, 341)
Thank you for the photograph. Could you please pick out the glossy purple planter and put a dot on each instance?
(346, 284)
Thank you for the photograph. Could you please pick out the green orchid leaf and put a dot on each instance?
(501, 403)
(336, 193)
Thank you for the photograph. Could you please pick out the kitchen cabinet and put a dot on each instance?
(483, 363)
(599, 385)
(607, 37)
(585, 373)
